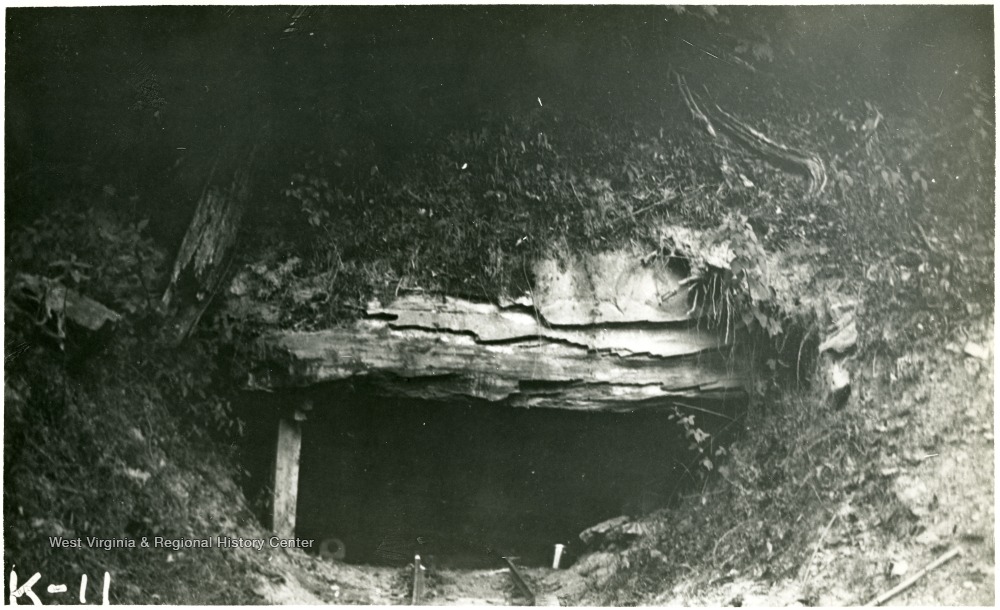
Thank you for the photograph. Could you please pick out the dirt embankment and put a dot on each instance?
(932, 412)
(927, 420)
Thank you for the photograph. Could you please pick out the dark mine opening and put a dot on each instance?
(462, 483)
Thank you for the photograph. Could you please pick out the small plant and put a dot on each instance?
(701, 442)
(735, 292)
(314, 197)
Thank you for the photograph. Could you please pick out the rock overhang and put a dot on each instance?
(607, 331)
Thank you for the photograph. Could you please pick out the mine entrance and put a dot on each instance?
(392, 476)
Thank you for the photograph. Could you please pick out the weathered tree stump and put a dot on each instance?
(204, 255)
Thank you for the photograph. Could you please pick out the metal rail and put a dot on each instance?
(417, 590)
(519, 582)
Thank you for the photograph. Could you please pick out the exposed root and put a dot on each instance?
(779, 155)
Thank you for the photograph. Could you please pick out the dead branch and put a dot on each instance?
(909, 582)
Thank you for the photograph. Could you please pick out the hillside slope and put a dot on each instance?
(414, 157)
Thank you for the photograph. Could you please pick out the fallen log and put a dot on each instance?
(54, 308)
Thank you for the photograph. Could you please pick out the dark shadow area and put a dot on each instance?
(393, 477)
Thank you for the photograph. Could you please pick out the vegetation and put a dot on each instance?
(120, 436)
(375, 185)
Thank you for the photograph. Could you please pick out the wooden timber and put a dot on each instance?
(286, 478)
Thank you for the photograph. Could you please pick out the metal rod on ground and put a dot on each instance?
(418, 581)
(906, 584)
(519, 582)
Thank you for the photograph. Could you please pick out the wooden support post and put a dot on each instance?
(286, 477)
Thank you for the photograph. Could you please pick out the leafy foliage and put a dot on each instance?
(801, 463)
(469, 213)
(362, 208)
(95, 250)
(736, 294)
(702, 446)
(157, 473)
(67, 476)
